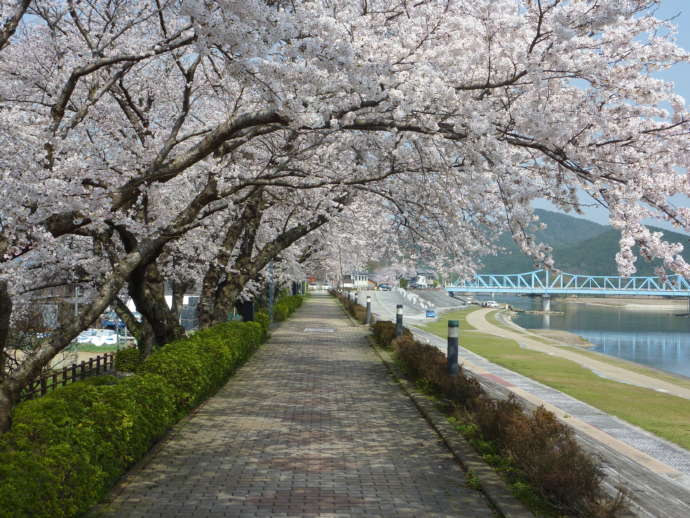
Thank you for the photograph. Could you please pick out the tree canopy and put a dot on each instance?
(197, 142)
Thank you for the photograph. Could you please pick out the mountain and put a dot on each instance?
(596, 256)
(579, 246)
(562, 231)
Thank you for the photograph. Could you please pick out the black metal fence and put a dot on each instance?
(76, 372)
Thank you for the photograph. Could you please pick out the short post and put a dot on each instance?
(368, 310)
(453, 335)
(398, 320)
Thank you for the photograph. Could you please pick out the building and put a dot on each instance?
(356, 281)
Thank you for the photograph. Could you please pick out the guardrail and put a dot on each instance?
(76, 372)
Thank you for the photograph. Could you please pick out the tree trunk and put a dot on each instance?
(141, 331)
(5, 314)
(214, 278)
(147, 289)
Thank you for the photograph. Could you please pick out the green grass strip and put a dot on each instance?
(662, 414)
(681, 381)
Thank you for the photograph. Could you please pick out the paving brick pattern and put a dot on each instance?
(312, 425)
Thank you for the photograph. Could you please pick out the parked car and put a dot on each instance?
(430, 313)
(86, 336)
(385, 287)
(97, 337)
(491, 304)
(104, 337)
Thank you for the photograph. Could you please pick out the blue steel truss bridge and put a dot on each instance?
(542, 282)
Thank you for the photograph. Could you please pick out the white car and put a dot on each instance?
(86, 336)
(491, 304)
(104, 337)
(98, 337)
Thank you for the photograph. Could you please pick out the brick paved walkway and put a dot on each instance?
(312, 425)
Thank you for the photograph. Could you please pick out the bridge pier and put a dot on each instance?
(546, 303)
(546, 321)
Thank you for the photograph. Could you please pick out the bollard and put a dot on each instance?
(368, 310)
(453, 335)
(398, 320)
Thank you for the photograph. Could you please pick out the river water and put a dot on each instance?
(654, 338)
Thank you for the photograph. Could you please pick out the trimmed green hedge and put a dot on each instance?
(66, 449)
(286, 306)
(197, 366)
(128, 360)
(264, 319)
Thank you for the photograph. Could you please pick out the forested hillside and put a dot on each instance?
(580, 246)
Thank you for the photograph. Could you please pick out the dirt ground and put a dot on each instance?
(563, 336)
(66, 359)
(633, 303)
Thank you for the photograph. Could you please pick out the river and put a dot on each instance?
(654, 338)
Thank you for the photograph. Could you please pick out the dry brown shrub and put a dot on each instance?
(551, 459)
(496, 417)
(359, 313)
(541, 446)
(428, 362)
(384, 333)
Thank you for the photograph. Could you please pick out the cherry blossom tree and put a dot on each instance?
(198, 141)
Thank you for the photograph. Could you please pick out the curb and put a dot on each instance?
(493, 487)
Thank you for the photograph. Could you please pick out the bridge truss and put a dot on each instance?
(542, 282)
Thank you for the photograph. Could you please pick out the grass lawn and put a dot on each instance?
(662, 414)
(440, 327)
(88, 348)
(618, 362)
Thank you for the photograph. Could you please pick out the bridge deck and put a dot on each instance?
(541, 282)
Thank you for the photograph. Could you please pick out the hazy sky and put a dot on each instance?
(679, 10)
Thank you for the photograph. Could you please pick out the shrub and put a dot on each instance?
(264, 321)
(65, 449)
(541, 447)
(384, 333)
(427, 362)
(285, 306)
(127, 360)
(359, 313)
(554, 463)
(199, 365)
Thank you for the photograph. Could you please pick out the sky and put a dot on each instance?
(679, 10)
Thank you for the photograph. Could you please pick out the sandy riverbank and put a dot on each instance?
(633, 303)
(563, 337)
(557, 336)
